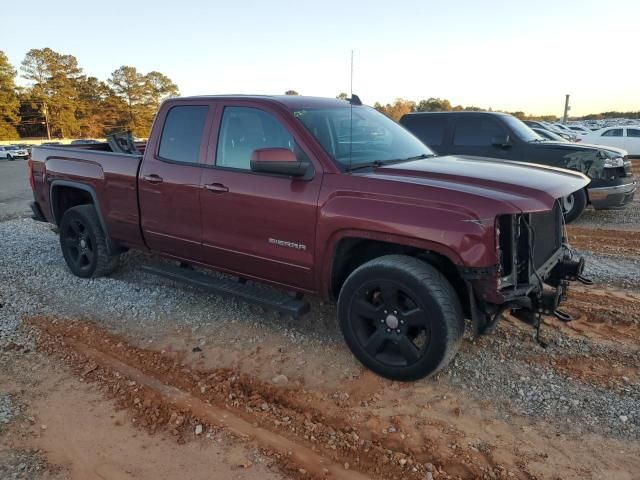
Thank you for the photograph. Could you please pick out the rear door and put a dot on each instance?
(169, 181)
(474, 134)
(613, 137)
(632, 140)
(258, 225)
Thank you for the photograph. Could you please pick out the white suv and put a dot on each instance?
(12, 152)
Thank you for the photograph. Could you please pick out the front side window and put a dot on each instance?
(245, 129)
(633, 132)
(360, 135)
(476, 131)
(182, 133)
(614, 132)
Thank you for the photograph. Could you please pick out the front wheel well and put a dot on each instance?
(352, 252)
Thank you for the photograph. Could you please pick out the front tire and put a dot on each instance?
(400, 317)
(84, 243)
(573, 205)
(9, 157)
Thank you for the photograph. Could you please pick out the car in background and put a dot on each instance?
(84, 141)
(502, 136)
(627, 138)
(12, 152)
(549, 135)
(550, 127)
(580, 130)
(561, 128)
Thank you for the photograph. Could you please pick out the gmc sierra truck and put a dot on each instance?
(320, 197)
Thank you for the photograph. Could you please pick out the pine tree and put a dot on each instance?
(9, 103)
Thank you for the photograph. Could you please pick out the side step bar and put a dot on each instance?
(275, 300)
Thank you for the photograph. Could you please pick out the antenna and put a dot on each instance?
(351, 114)
(351, 86)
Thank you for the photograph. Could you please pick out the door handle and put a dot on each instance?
(153, 178)
(216, 188)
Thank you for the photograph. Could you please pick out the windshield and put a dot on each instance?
(522, 131)
(369, 137)
(13, 147)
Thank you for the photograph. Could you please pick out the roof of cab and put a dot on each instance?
(289, 101)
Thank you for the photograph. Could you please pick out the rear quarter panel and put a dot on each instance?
(111, 176)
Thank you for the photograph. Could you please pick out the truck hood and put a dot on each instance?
(581, 147)
(511, 187)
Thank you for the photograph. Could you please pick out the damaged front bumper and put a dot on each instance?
(527, 302)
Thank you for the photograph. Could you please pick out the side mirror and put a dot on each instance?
(501, 141)
(280, 161)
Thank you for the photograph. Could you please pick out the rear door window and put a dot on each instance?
(476, 131)
(182, 133)
(633, 132)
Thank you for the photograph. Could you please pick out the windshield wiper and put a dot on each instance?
(382, 163)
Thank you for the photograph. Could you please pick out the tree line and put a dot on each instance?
(61, 101)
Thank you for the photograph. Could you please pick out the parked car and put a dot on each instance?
(83, 141)
(551, 127)
(549, 135)
(627, 138)
(579, 130)
(13, 152)
(278, 190)
(499, 135)
(565, 130)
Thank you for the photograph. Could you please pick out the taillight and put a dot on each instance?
(30, 173)
(578, 140)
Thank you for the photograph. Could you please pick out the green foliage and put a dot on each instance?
(77, 105)
(291, 92)
(9, 102)
(434, 105)
(342, 96)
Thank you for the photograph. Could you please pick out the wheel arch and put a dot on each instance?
(350, 252)
(65, 194)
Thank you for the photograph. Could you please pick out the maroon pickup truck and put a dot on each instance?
(323, 197)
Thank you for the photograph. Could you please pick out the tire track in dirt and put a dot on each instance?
(303, 436)
(609, 242)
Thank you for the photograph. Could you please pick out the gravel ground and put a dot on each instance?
(34, 279)
(627, 218)
(612, 270)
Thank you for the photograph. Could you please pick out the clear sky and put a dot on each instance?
(508, 55)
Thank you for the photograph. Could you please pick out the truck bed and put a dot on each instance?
(109, 177)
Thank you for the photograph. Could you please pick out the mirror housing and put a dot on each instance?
(278, 161)
(502, 141)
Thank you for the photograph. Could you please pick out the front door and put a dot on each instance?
(476, 135)
(169, 183)
(258, 225)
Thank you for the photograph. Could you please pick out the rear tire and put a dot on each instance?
(573, 205)
(84, 243)
(400, 317)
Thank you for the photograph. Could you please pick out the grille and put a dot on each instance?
(547, 230)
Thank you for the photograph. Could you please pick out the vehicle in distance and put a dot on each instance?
(502, 136)
(549, 135)
(12, 152)
(627, 137)
(551, 127)
(322, 197)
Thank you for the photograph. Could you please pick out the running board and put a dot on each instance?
(274, 300)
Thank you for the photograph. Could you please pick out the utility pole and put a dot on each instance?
(566, 109)
(46, 119)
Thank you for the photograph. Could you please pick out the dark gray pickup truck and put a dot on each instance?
(499, 135)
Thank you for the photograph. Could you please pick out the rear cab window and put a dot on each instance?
(182, 133)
